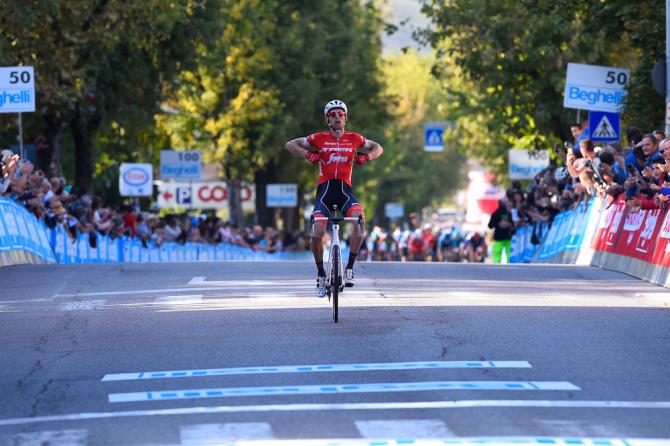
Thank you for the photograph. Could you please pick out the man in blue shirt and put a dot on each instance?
(645, 153)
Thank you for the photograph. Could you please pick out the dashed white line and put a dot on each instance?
(209, 434)
(68, 437)
(83, 305)
(180, 299)
(403, 429)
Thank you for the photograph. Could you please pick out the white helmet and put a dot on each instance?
(335, 103)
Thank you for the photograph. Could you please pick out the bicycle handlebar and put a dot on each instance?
(338, 219)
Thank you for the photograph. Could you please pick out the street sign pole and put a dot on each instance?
(667, 67)
(23, 155)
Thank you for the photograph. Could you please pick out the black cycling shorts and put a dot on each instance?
(335, 192)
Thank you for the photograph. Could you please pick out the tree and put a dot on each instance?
(266, 80)
(407, 173)
(512, 55)
(98, 62)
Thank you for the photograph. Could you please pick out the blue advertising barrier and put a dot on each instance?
(565, 236)
(21, 232)
(123, 249)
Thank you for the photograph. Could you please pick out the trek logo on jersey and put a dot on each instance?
(337, 149)
(337, 159)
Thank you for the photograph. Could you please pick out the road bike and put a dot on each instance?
(335, 271)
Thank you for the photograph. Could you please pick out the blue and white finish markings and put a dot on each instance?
(317, 368)
(488, 441)
(339, 389)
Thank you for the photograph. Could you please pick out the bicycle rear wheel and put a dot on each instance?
(335, 279)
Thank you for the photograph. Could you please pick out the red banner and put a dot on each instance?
(661, 255)
(637, 236)
(608, 227)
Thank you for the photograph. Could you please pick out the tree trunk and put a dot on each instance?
(83, 153)
(264, 215)
(49, 145)
(235, 201)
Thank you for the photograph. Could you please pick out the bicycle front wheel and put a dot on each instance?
(335, 279)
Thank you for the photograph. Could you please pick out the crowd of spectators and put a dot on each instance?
(53, 201)
(637, 173)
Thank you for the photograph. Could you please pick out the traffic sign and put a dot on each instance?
(604, 127)
(282, 195)
(394, 210)
(525, 164)
(136, 180)
(17, 90)
(593, 87)
(181, 165)
(202, 195)
(433, 139)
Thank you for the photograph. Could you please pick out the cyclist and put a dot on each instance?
(335, 151)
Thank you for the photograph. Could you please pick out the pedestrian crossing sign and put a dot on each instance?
(604, 126)
(433, 139)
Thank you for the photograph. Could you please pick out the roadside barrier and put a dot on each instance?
(24, 239)
(613, 238)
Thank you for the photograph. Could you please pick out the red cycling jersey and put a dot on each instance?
(336, 155)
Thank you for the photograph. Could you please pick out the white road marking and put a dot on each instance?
(418, 405)
(403, 429)
(317, 368)
(182, 299)
(248, 286)
(68, 437)
(209, 434)
(331, 389)
(83, 305)
(44, 299)
(488, 441)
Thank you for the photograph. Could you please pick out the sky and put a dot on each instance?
(396, 11)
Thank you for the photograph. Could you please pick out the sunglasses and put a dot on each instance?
(332, 114)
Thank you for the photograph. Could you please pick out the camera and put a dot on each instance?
(595, 173)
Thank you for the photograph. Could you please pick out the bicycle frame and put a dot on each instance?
(335, 235)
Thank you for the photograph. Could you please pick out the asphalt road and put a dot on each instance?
(222, 353)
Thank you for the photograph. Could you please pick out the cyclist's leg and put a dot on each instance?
(356, 240)
(316, 243)
(359, 232)
(321, 209)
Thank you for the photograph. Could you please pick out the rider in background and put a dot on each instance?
(335, 152)
(475, 248)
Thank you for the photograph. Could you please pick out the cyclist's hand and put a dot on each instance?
(312, 157)
(362, 158)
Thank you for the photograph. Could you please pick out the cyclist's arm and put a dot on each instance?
(298, 147)
(373, 149)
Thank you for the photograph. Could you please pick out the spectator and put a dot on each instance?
(645, 153)
(503, 229)
(660, 135)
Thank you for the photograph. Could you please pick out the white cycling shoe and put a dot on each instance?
(320, 286)
(349, 279)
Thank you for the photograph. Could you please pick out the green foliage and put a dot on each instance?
(100, 66)
(505, 62)
(406, 173)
